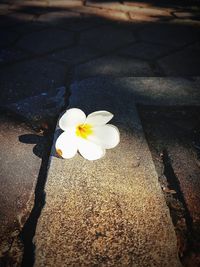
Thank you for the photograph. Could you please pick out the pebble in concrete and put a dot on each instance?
(110, 212)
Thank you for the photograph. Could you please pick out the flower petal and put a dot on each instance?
(67, 145)
(71, 118)
(107, 136)
(98, 118)
(89, 150)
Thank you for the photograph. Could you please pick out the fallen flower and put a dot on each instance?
(90, 135)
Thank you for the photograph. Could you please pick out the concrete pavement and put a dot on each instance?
(110, 212)
(48, 44)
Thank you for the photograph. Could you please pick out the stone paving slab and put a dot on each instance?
(161, 91)
(111, 37)
(15, 18)
(19, 168)
(114, 15)
(171, 34)
(75, 55)
(61, 18)
(18, 82)
(40, 109)
(7, 38)
(146, 51)
(116, 66)
(46, 40)
(11, 54)
(65, 3)
(109, 212)
(183, 63)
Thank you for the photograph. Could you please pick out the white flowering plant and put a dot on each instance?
(90, 136)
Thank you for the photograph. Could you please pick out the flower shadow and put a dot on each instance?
(38, 140)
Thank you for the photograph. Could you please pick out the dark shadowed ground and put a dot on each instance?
(44, 46)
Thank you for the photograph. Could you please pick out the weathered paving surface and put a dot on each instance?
(110, 212)
(176, 155)
(18, 175)
(46, 43)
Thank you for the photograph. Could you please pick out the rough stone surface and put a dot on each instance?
(111, 37)
(127, 8)
(113, 66)
(84, 23)
(24, 83)
(60, 18)
(18, 176)
(4, 9)
(65, 3)
(46, 40)
(42, 108)
(184, 14)
(8, 55)
(169, 34)
(7, 38)
(146, 51)
(75, 55)
(114, 15)
(109, 212)
(161, 91)
(178, 170)
(184, 63)
(15, 18)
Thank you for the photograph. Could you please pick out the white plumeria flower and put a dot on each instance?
(90, 135)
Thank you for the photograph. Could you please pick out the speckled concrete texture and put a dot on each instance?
(19, 168)
(109, 212)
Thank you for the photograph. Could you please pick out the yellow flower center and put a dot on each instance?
(84, 130)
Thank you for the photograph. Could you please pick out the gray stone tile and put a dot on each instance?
(9, 55)
(13, 19)
(75, 55)
(30, 78)
(4, 9)
(162, 91)
(107, 212)
(113, 5)
(185, 62)
(46, 40)
(146, 51)
(82, 24)
(7, 37)
(113, 66)
(18, 175)
(98, 12)
(65, 3)
(170, 34)
(186, 15)
(106, 38)
(137, 8)
(29, 27)
(180, 141)
(61, 18)
(40, 109)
